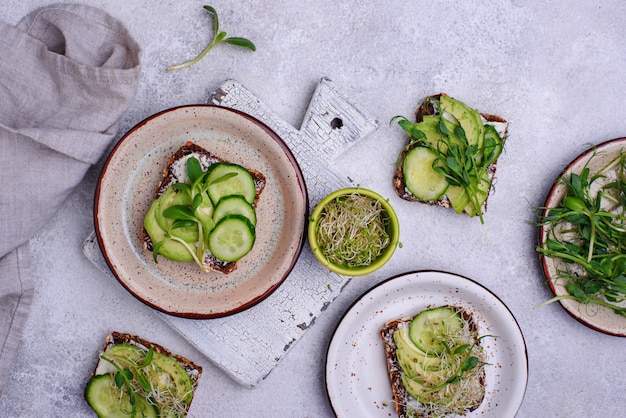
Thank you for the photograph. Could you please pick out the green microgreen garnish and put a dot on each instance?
(586, 231)
(352, 230)
(218, 37)
(467, 363)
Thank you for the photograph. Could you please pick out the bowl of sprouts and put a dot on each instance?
(353, 231)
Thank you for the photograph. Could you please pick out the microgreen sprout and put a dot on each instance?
(351, 230)
(464, 361)
(586, 231)
(218, 37)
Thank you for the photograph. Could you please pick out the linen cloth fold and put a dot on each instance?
(67, 74)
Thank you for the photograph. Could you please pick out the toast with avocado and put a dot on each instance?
(138, 378)
(451, 157)
(435, 363)
(204, 210)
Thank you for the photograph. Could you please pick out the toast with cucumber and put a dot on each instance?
(204, 210)
(435, 363)
(451, 157)
(138, 378)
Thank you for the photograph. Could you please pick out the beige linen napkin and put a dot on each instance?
(67, 74)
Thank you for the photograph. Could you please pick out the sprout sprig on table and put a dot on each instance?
(218, 37)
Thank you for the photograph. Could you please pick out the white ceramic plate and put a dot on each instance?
(126, 190)
(357, 380)
(594, 316)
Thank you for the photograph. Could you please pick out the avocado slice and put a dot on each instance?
(170, 375)
(437, 138)
(418, 390)
(126, 354)
(414, 361)
(170, 198)
(460, 200)
(204, 212)
(412, 386)
(171, 250)
(468, 118)
(429, 126)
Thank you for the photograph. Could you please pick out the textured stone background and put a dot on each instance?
(556, 72)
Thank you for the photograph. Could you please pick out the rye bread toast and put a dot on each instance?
(405, 405)
(427, 108)
(175, 171)
(193, 370)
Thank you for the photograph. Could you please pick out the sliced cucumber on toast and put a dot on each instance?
(230, 179)
(232, 238)
(109, 401)
(234, 205)
(213, 213)
(419, 176)
(428, 330)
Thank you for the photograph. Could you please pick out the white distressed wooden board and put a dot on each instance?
(249, 344)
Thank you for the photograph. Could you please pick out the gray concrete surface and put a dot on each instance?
(556, 71)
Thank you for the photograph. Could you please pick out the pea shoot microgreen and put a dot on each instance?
(218, 38)
(587, 232)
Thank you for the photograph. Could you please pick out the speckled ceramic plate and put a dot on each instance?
(126, 190)
(357, 380)
(594, 316)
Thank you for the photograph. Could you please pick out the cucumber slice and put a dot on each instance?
(234, 204)
(468, 118)
(220, 185)
(419, 176)
(430, 328)
(110, 402)
(232, 238)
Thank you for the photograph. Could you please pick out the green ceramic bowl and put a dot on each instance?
(393, 229)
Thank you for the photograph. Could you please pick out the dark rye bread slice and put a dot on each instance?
(193, 370)
(404, 403)
(175, 171)
(427, 108)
